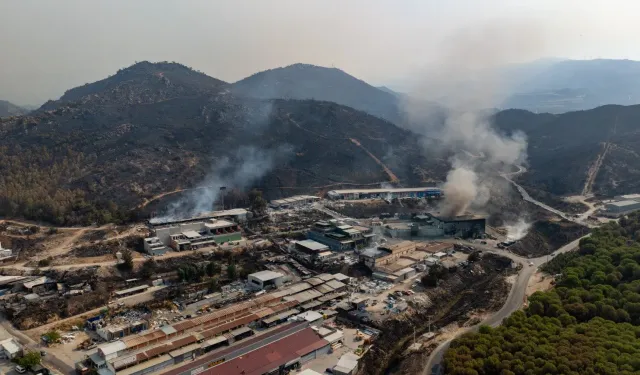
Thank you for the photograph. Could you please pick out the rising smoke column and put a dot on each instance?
(246, 166)
(465, 80)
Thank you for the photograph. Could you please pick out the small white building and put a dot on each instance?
(313, 317)
(266, 279)
(5, 253)
(153, 246)
(347, 364)
(10, 349)
(622, 207)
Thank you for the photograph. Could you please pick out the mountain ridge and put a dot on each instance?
(8, 109)
(97, 154)
(307, 81)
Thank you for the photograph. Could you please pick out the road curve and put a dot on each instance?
(514, 301)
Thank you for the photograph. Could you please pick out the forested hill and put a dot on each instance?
(588, 324)
(107, 147)
(563, 147)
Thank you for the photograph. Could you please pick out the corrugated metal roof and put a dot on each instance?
(325, 276)
(281, 293)
(335, 284)
(341, 277)
(281, 316)
(185, 350)
(240, 331)
(124, 362)
(314, 281)
(299, 287)
(184, 341)
(134, 341)
(112, 347)
(158, 350)
(269, 357)
(324, 289)
(168, 330)
(229, 326)
(266, 275)
(311, 305)
(264, 312)
(145, 365)
(214, 341)
(183, 326)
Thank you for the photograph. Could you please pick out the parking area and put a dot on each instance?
(7, 367)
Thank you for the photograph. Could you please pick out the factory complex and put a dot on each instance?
(402, 260)
(220, 339)
(434, 226)
(295, 201)
(390, 193)
(209, 229)
(622, 205)
(337, 235)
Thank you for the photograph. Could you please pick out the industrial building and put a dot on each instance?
(280, 351)
(295, 201)
(239, 215)
(266, 280)
(434, 226)
(467, 226)
(10, 349)
(391, 193)
(224, 335)
(627, 197)
(153, 246)
(116, 331)
(399, 261)
(622, 207)
(197, 234)
(340, 236)
(311, 247)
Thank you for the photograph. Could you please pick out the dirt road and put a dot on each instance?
(592, 173)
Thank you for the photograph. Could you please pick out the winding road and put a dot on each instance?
(516, 297)
(514, 301)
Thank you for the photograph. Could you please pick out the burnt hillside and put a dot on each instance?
(97, 157)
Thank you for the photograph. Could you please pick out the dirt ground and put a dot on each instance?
(539, 282)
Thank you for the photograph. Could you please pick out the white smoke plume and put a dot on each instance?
(465, 79)
(237, 171)
(517, 230)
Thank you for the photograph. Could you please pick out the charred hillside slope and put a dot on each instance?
(106, 147)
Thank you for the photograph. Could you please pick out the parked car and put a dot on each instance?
(20, 370)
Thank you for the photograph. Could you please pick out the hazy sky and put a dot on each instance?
(50, 46)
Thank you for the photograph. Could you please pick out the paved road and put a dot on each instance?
(49, 360)
(514, 301)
